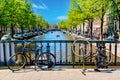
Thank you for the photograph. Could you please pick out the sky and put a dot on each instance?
(52, 11)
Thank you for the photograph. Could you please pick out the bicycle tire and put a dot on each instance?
(16, 62)
(46, 60)
(80, 50)
(105, 61)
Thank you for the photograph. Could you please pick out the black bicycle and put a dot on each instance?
(101, 56)
(42, 60)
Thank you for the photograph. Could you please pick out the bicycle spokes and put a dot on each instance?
(81, 48)
(16, 62)
(46, 61)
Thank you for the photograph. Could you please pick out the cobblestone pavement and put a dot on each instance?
(60, 74)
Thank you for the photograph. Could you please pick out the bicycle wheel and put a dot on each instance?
(103, 58)
(81, 48)
(16, 62)
(46, 60)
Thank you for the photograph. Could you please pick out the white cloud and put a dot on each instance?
(42, 6)
(62, 17)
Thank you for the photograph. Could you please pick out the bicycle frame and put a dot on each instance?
(101, 60)
(42, 60)
(29, 60)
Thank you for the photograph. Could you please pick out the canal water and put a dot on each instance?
(53, 35)
(58, 49)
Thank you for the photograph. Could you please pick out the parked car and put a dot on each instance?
(25, 35)
(6, 37)
(40, 32)
(18, 36)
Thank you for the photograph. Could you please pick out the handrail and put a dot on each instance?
(60, 48)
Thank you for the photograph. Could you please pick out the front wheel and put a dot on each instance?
(16, 62)
(46, 61)
(81, 48)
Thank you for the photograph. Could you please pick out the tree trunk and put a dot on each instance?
(1, 28)
(21, 29)
(101, 33)
(83, 27)
(91, 29)
(12, 31)
(119, 23)
(102, 21)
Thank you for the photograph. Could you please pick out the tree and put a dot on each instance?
(39, 21)
(62, 25)
(83, 10)
(115, 10)
(14, 12)
(19, 13)
(91, 9)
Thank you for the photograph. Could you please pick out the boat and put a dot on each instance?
(58, 35)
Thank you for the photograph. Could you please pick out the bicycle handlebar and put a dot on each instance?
(25, 43)
(40, 45)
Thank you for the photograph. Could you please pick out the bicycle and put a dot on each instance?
(42, 60)
(102, 56)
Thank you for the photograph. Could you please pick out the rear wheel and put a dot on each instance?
(16, 62)
(103, 58)
(46, 61)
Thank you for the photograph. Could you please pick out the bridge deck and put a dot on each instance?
(60, 74)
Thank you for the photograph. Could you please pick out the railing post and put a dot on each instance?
(85, 43)
(91, 53)
(60, 53)
(55, 51)
(115, 53)
(10, 49)
(4, 53)
(66, 53)
(48, 47)
(79, 54)
(73, 55)
(1, 54)
(110, 51)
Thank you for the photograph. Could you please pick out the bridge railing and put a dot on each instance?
(62, 49)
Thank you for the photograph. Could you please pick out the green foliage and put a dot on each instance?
(82, 10)
(115, 7)
(62, 25)
(19, 13)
